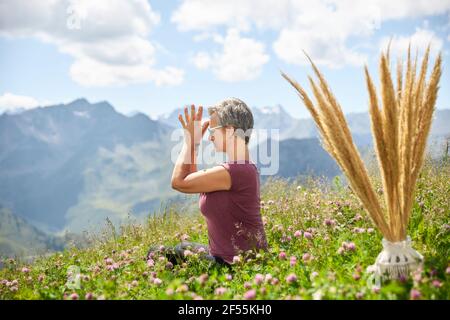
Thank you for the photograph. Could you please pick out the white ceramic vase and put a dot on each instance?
(397, 260)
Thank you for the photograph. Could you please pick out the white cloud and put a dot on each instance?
(419, 40)
(240, 58)
(323, 28)
(325, 49)
(12, 103)
(107, 38)
(201, 15)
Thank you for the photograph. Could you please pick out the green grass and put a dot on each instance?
(288, 207)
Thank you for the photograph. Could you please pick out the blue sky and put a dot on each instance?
(154, 56)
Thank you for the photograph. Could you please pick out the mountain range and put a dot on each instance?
(69, 167)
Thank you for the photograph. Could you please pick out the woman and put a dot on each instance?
(229, 193)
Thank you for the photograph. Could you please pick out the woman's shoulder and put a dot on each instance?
(242, 173)
(240, 166)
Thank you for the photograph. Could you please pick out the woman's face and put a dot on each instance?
(219, 135)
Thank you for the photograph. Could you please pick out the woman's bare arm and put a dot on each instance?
(185, 177)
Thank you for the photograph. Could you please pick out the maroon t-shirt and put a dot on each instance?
(233, 216)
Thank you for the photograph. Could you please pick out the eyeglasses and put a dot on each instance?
(211, 130)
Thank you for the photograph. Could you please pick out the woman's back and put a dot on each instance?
(233, 217)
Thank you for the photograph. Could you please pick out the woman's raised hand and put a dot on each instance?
(193, 130)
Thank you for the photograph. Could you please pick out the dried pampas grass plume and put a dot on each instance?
(400, 128)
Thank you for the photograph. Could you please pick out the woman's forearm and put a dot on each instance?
(186, 163)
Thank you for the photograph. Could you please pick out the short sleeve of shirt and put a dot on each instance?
(233, 174)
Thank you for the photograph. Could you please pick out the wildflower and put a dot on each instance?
(169, 265)
(359, 295)
(282, 255)
(247, 285)
(185, 237)
(203, 278)
(134, 283)
(201, 250)
(340, 250)
(274, 281)
(308, 235)
(297, 234)
(182, 288)
(293, 261)
(236, 259)
(370, 230)
(291, 278)
(437, 283)
(313, 275)
(329, 222)
(25, 270)
(268, 277)
(415, 294)
(89, 296)
(356, 276)
(109, 261)
(317, 295)
(41, 277)
(348, 246)
(250, 294)
(270, 202)
(447, 271)
(264, 220)
(150, 263)
(359, 230)
(169, 291)
(417, 276)
(229, 277)
(74, 296)
(220, 291)
(306, 257)
(376, 289)
(259, 278)
(188, 253)
(157, 281)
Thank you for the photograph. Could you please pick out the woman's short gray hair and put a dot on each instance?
(234, 112)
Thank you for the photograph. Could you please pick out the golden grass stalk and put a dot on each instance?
(400, 129)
